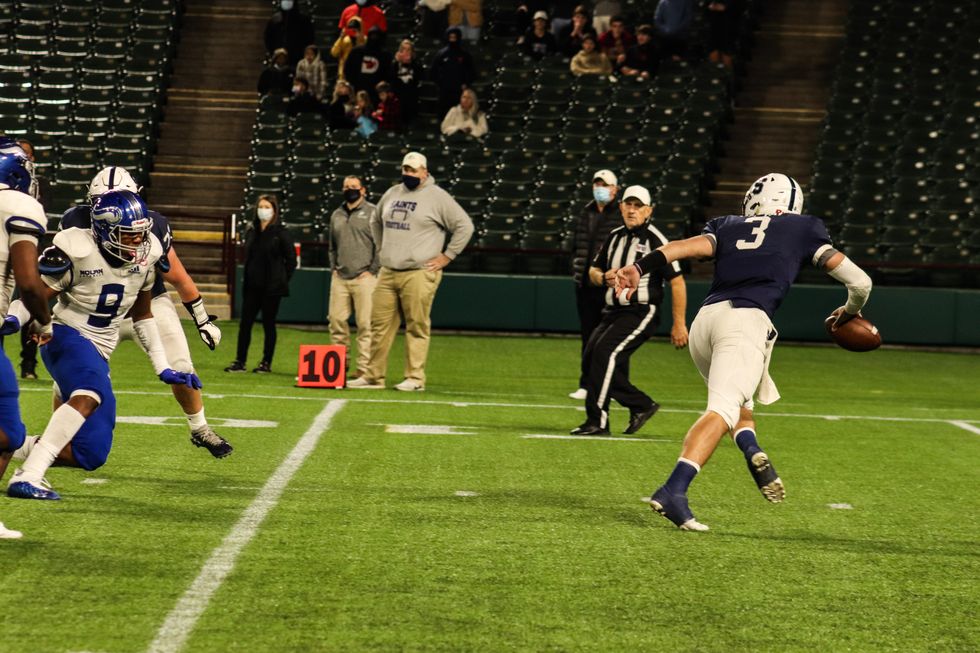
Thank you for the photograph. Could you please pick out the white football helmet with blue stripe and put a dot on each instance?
(773, 194)
(111, 178)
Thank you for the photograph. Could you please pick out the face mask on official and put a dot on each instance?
(411, 183)
(351, 195)
(601, 194)
(265, 213)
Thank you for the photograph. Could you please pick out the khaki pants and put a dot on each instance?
(347, 294)
(409, 293)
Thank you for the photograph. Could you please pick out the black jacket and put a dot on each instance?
(275, 80)
(292, 30)
(591, 230)
(367, 65)
(270, 260)
(451, 69)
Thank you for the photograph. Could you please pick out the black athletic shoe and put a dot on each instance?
(674, 507)
(217, 445)
(28, 374)
(236, 366)
(589, 429)
(766, 477)
(264, 368)
(637, 420)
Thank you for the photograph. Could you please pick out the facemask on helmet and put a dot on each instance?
(16, 169)
(121, 227)
(773, 194)
(111, 178)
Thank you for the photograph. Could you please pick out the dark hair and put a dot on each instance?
(582, 10)
(617, 19)
(305, 81)
(359, 179)
(645, 29)
(271, 199)
(315, 49)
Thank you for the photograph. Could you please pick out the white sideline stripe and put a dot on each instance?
(179, 624)
(966, 426)
(482, 404)
(604, 438)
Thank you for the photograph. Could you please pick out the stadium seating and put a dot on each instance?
(85, 82)
(896, 170)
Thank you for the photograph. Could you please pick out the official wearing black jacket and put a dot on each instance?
(598, 218)
(270, 260)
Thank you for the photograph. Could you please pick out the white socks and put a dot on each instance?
(26, 448)
(64, 424)
(197, 421)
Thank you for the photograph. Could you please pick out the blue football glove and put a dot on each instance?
(10, 326)
(173, 377)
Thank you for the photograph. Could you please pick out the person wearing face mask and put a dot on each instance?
(370, 14)
(302, 101)
(452, 70)
(291, 29)
(597, 219)
(422, 230)
(628, 320)
(350, 38)
(270, 260)
(354, 240)
(278, 77)
(368, 64)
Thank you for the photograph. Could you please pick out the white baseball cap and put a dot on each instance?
(543, 15)
(415, 160)
(606, 176)
(639, 193)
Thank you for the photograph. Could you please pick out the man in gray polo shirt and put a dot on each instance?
(355, 241)
(424, 229)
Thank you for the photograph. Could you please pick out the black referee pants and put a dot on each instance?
(589, 300)
(607, 361)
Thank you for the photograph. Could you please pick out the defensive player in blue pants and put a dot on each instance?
(22, 223)
(757, 257)
(99, 275)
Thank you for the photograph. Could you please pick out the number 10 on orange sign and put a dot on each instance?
(322, 366)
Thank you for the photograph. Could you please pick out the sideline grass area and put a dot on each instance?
(371, 548)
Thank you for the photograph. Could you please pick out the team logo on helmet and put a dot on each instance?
(773, 194)
(16, 168)
(121, 227)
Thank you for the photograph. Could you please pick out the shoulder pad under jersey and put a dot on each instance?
(53, 262)
(26, 216)
(75, 242)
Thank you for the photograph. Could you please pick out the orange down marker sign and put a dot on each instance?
(322, 366)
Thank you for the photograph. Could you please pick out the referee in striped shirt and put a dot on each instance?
(628, 322)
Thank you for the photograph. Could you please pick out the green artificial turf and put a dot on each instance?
(487, 540)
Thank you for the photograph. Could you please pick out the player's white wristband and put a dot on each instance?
(858, 284)
(149, 337)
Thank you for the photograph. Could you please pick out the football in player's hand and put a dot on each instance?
(857, 334)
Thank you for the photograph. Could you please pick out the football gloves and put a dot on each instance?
(173, 377)
(209, 332)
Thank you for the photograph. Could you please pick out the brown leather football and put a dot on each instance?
(857, 334)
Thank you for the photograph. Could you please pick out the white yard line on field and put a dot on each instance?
(966, 426)
(179, 624)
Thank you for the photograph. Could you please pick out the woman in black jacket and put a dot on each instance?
(270, 260)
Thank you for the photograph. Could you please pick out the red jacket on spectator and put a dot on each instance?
(388, 113)
(371, 16)
(613, 47)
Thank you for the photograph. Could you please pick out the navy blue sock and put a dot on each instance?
(745, 439)
(679, 480)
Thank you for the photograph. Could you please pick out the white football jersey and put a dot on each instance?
(95, 296)
(23, 219)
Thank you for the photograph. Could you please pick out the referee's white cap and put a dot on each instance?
(606, 176)
(415, 160)
(638, 193)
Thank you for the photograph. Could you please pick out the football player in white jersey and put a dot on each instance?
(165, 315)
(22, 223)
(99, 275)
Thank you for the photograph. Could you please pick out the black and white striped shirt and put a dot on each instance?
(624, 247)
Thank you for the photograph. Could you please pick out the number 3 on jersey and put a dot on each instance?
(109, 301)
(759, 233)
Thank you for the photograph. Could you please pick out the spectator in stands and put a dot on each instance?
(28, 346)
(291, 29)
(467, 15)
(278, 77)
(561, 15)
(406, 75)
(589, 60)
(368, 64)
(270, 260)
(452, 70)
(642, 59)
(598, 218)
(723, 21)
(571, 36)
(616, 40)
(314, 71)
(370, 14)
(340, 113)
(302, 100)
(363, 112)
(603, 13)
(465, 120)
(435, 17)
(352, 37)
(388, 112)
(673, 19)
(526, 10)
(537, 41)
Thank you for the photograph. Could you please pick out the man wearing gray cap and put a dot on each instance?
(628, 320)
(598, 218)
(416, 216)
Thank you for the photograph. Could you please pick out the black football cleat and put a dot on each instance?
(638, 419)
(589, 429)
(674, 507)
(207, 438)
(236, 366)
(766, 477)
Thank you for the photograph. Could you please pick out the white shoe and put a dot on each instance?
(7, 534)
(579, 394)
(362, 383)
(408, 385)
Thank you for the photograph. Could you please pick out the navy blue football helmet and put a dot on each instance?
(121, 226)
(16, 169)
